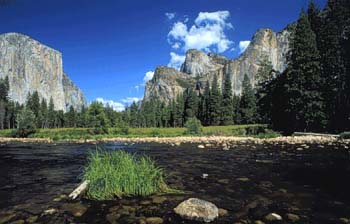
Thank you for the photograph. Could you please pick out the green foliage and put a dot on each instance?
(193, 126)
(248, 110)
(118, 173)
(227, 103)
(97, 119)
(26, 123)
(304, 108)
(215, 103)
(264, 77)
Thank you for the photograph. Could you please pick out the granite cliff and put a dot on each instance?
(200, 67)
(32, 66)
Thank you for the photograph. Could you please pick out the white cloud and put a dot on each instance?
(170, 15)
(207, 33)
(243, 45)
(117, 106)
(176, 60)
(148, 76)
(130, 100)
(218, 17)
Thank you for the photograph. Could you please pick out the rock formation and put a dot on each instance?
(32, 66)
(200, 67)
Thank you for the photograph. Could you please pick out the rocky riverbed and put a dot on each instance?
(249, 180)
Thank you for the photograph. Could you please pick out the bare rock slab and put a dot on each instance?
(197, 209)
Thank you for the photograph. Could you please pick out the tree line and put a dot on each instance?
(312, 94)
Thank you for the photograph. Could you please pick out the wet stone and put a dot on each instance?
(154, 220)
(20, 221)
(273, 217)
(6, 217)
(112, 217)
(223, 212)
(243, 179)
(259, 222)
(344, 220)
(75, 209)
(292, 217)
(223, 181)
(197, 209)
(158, 199)
(32, 219)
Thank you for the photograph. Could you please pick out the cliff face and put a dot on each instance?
(200, 67)
(32, 66)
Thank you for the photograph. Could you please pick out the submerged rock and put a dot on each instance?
(76, 209)
(197, 209)
(154, 220)
(273, 217)
(292, 217)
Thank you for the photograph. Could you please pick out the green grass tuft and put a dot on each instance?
(118, 173)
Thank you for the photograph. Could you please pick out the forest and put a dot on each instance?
(312, 94)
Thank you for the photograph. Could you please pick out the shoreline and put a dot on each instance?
(189, 139)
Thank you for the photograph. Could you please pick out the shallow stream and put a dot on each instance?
(249, 181)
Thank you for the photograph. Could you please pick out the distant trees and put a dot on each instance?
(227, 103)
(312, 94)
(26, 123)
(247, 107)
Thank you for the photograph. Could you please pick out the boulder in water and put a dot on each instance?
(197, 209)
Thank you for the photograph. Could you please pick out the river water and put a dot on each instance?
(311, 182)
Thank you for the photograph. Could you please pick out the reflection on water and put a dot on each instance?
(248, 181)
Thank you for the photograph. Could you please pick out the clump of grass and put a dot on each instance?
(118, 173)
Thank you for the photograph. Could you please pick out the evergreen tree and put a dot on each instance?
(335, 63)
(264, 77)
(97, 118)
(4, 99)
(191, 104)
(205, 103)
(82, 117)
(227, 102)
(215, 103)
(304, 95)
(71, 118)
(236, 112)
(26, 123)
(247, 107)
(133, 115)
(179, 111)
(43, 114)
(51, 114)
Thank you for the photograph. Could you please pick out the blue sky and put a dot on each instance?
(109, 46)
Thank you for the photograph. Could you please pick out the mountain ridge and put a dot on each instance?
(33, 66)
(202, 67)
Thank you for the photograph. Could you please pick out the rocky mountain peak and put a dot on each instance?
(32, 66)
(202, 67)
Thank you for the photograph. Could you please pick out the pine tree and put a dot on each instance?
(247, 107)
(44, 114)
(51, 114)
(191, 104)
(236, 112)
(264, 77)
(227, 102)
(335, 63)
(71, 118)
(215, 103)
(97, 118)
(133, 115)
(304, 82)
(179, 112)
